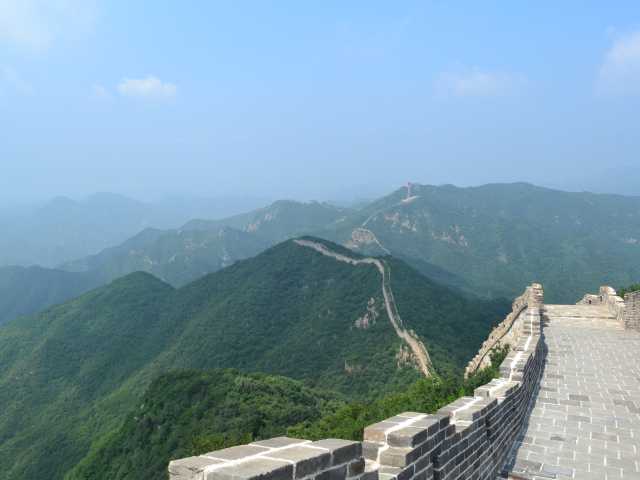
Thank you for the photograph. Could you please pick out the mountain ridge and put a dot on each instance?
(70, 374)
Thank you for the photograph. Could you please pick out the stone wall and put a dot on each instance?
(606, 296)
(626, 311)
(632, 311)
(469, 438)
(278, 458)
(506, 332)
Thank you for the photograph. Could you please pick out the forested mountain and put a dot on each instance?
(490, 241)
(205, 246)
(501, 237)
(71, 374)
(281, 220)
(185, 413)
(175, 256)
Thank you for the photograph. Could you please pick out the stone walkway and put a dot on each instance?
(585, 423)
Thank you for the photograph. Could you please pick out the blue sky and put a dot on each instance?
(313, 99)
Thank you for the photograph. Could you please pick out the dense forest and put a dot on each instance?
(185, 413)
(70, 375)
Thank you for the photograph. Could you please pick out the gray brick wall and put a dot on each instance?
(632, 311)
(606, 296)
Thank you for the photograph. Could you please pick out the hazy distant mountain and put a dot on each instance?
(64, 229)
(27, 290)
(205, 246)
(624, 180)
(491, 240)
(281, 220)
(69, 375)
(176, 256)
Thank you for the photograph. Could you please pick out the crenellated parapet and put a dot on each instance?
(507, 332)
(469, 438)
(606, 296)
(278, 458)
(626, 311)
(632, 311)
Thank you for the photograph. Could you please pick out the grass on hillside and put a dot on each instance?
(629, 289)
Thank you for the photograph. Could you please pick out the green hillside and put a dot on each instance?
(175, 256)
(188, 413)
(280, 221)
(27, 290)
(56, 366)
(490, 241)
(185, 413)
(72, 373)
(501, 237)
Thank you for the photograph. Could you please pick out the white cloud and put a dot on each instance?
(150, 87)
(35, 24)
(11, 80)
(477, 83)
(620, 70)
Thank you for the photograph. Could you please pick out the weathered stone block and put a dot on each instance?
(190, 468)
(254, 469)
(356, 467)
(408, 436)
(235, 453)
(370, 450)
(399, 457)
(336, 473)
(397, 473)
(432, 423)
(378, 431)
(307, 460)
(342, 451)
(278, 442)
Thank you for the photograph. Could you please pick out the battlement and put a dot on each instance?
(626, 311)
(469, 438)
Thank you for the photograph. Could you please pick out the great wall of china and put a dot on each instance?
(566, 405)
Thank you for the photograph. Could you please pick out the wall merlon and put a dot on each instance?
(626, 311)
(631, 317)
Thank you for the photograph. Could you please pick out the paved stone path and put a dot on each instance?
(410, 338)
(585, 423)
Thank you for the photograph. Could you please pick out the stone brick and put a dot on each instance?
(342, 451)
(335, 473)
(307, 460)
(409, 436)
(378, 431)
(399, 457)
(190, 467)
(254, 469)
(235, 453)
(278, 442)
(370, 450)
